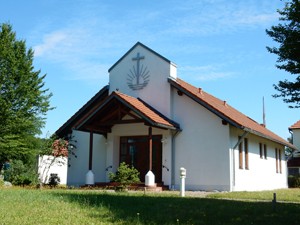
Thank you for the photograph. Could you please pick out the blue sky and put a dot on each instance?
(218, 45)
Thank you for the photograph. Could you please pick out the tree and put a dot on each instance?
(23, 99)
(287, 34)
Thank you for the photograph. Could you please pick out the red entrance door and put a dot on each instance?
(135, 152)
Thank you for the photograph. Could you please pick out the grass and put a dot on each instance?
(282, 195)
(25, 206)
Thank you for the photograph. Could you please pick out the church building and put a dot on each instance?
(151, 119)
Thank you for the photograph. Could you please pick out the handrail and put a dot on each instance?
(108, 168)
(163, 166)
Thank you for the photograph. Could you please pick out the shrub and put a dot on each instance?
(54, 180)
(21, 174)
(294, 181)
(125, 176)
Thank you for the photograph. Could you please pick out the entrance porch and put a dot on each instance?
(130, 131)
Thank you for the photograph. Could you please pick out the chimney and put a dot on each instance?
(200, 91)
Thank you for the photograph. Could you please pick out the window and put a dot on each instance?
(241, 166)
(279, 155)
(246, 153)
(265, 151)
(278, 160)
(276, 156)
(261, 150)
(243, 153)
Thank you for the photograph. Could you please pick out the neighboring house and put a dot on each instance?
(49, 164)
(294, 159)
(153, 120)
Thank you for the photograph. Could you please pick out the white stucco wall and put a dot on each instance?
(261, 174)
(296, 138)
(157, 92)
(202, 147)
(79, 165)
(49, 164)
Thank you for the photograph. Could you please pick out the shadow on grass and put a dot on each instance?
(152, 209)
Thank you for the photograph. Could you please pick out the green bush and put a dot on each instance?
(294, 181)
(21, 174)
(125, 176)
(54, 180)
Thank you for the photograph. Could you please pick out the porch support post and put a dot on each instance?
(89, 177)
(91, 151)
(150, 177)
(150, 148)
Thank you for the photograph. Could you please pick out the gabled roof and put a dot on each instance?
(226, 112)
(133, 47)
(69, 124)
(112, 110)
(295, 125)
(147, 112)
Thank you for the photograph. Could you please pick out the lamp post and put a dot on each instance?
(182, 181)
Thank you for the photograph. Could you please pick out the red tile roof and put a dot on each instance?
(226, 112)
(146, 111)
(295, 125)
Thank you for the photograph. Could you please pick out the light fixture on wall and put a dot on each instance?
(164, 140)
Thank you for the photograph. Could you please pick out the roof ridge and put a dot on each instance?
(145, 47)
(64, 128)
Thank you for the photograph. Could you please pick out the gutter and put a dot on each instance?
(174, 134)
(270, 138)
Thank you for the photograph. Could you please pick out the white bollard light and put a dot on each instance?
(89, 178)
(150, 179)
(182, 181)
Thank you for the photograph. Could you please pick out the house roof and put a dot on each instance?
(112, 110)
(226, 112)
(69, 124)
(295, 125)
(147, 112)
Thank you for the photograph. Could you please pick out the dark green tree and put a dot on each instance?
(287, 34)
(24, 101)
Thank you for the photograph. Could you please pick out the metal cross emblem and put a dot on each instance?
(138, 77)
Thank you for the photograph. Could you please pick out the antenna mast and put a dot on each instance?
(264, 114)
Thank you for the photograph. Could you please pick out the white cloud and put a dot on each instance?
(50, 43)
(204, 18)
(74, 50)
(90, 43)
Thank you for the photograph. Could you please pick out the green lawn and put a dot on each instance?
(25, 206)
(282, 195)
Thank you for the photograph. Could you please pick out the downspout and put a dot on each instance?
(173, 159)
(292, 136)
(233, 158)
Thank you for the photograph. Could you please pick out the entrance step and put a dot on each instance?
(141, 186)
